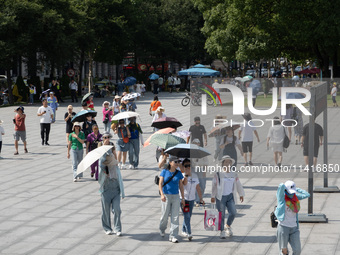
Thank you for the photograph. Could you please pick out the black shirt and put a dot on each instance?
(318, 131)
(69, 124)
(197, 132)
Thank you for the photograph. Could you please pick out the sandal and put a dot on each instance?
(16, 153)
(26, 151)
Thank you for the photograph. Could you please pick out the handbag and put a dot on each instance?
(212, 219)
(169, 180)
(106, 120)
(125, 139)
(273, 219)
(286, 140)
(186, 207)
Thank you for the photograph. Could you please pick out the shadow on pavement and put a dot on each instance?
(261, 187)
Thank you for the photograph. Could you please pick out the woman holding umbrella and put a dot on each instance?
(68, 116)
(75, 145)
(92, 143)
(111, 189)
(123, 142)
(229, 142)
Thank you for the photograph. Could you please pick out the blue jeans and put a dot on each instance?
(107, 126)
(187, 216)
(31, 98)
(111, 202)
(202, 179)
(54, 114)
(287, 235)
(134, 152)
(77, 157)
(171, 205)
(229, 203)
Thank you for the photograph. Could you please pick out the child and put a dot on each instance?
(224, 184)
(143, 88)
(2, 132)
(90, 104)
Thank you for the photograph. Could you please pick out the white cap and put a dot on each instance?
(290, 187)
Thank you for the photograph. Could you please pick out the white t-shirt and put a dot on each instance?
(143, 87)
(116, 106)
(138, 88)
(190, 187)
(247, 132)
(290, 218)
(276, 134)
(228, 186)
(45, 118)
(333, 92)
(2, 131)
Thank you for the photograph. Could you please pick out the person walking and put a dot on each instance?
(68, 117)
(287, 120)
(116, 105)
(159, 114)
(111, 189)
(19, 129)
(288, 206)
(245, 135)
(198, 131)
(333, 94)
(177, 82)
(74, 89)
(228, 144)
(53, 103)
(2, 132)
(318, 141)
(32, 91)
(298, 128)
(160, 83)
(75, 146)
(87, 125)
(90, 104)
(275, 137)
(123, 142)
(107, 116)
(154, 106)
(190, 186)
(46, 115)
(134, 148)
(171, 83)
(224, 186)
(92, 142)
(170, 183)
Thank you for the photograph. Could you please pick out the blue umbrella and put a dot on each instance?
(199, 72)
(184, 150)
(153, 76)
(129, 81)
(295, 96)
(199, 66)
(81, 116)
(256, 86)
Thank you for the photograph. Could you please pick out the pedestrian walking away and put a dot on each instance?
(287, 120)
(122, 143)
(333, 94)
(170, 184)
(245, 135)
(154, 106)
(112, 190)
(2, 132)
(19, 129)
(288, 206)
(298, 128)
(135, 139)
(229, 142)
(68, 117)
(53, 103)
(190, 186)
(318, 141)
(224, 187)
(74, 89)
(107, 116)
(92, 142)
(46, 115)
(275, 137)
(75, 148)
(197, 131)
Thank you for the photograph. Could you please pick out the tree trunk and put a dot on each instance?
(336, 67)
(9, 85)
(81, 63)
(90, 78)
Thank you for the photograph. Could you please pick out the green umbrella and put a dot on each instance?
(166, 141)
(247, 78)
(86, 97)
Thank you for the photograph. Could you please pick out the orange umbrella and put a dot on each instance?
(161, 131)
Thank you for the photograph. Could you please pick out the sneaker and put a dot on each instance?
(135, 167)
(250, 163)
(75, 180)
(119, 233)
(173, 240)
(26, 151)
(190, 237)
(120, 165)
(229, 231)
(123, 166)
(185, 234)
(108, 232)
(130, 166)
(47, 143)
(222, 235)
(16, 153)
(246, 164)
(42, 143)
(161, 233)
(279, 164)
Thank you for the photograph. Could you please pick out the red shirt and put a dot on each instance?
(20, 122)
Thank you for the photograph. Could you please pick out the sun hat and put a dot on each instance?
(20, 108)
(290, 187)
(247, 116)
(106, 133)
(196, 140)
(117, 97)
(160, 109)
(227, 157)
(197, 118)
(106, 102)
(76, 124)
(51, 92)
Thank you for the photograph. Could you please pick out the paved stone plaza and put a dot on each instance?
(43, 212)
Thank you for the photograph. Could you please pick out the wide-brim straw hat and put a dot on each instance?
(117, 97)
(227, 157)
(160, 109)
(76, 124)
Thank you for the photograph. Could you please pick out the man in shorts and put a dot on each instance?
(333, 94)
(245, 135)
(19, 128)
(318, 140)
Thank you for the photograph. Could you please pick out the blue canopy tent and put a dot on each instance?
(199, 70)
